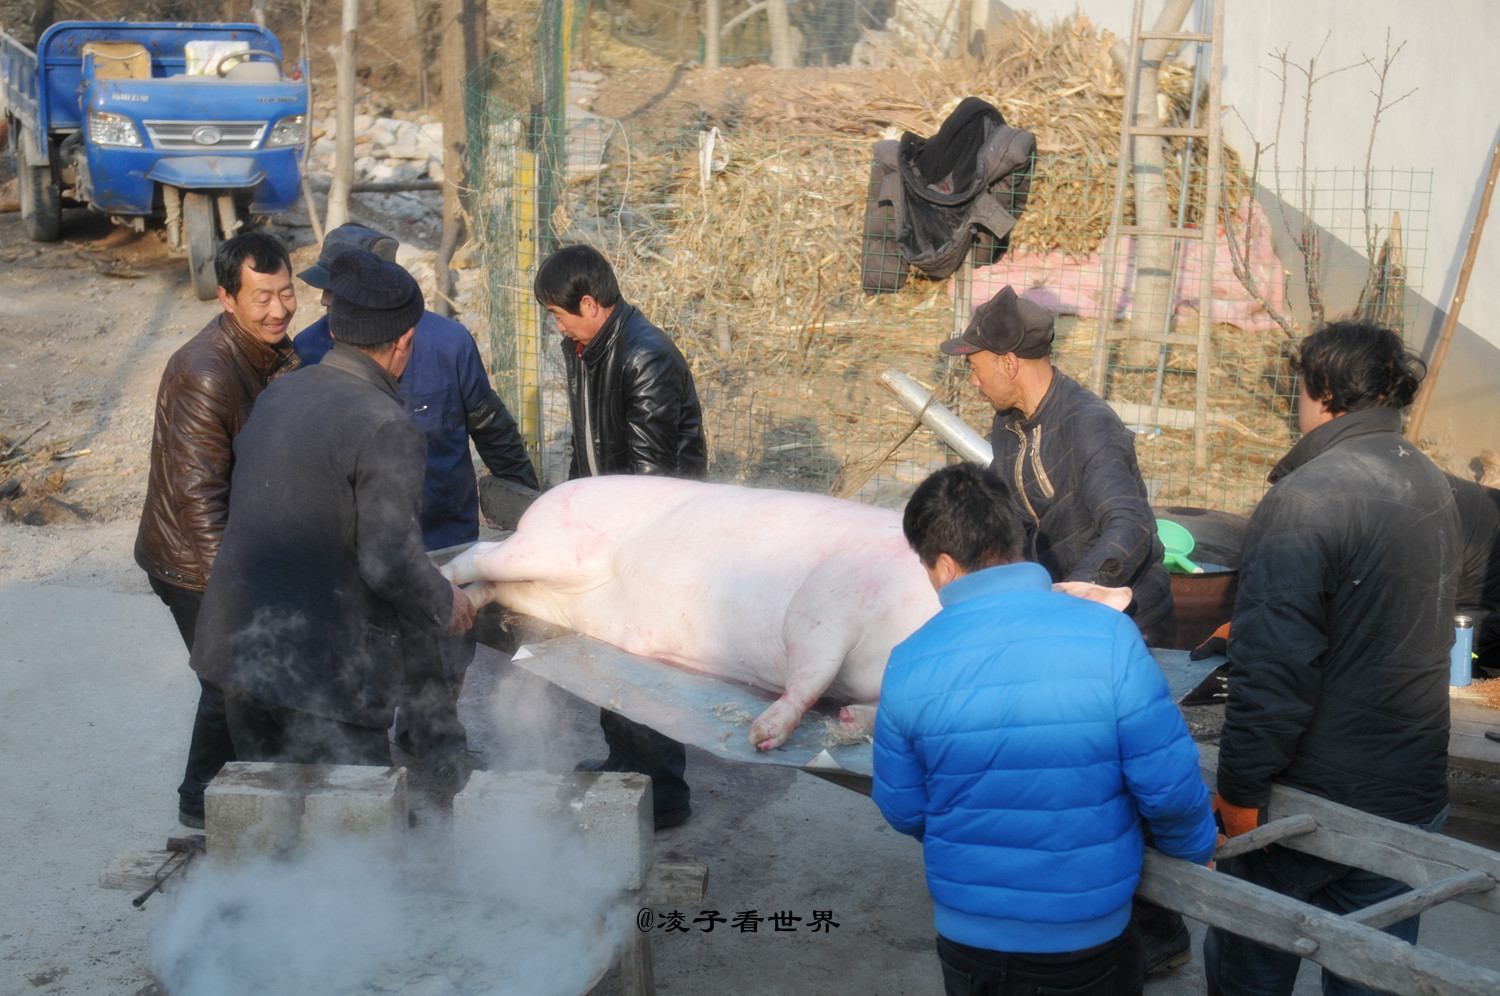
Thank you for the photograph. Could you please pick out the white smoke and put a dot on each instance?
(510, 905)
(279, 927)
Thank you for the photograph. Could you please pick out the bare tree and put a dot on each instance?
(1382, 74)
(43, 13)
(783, 51)
(343, 154)
(1386, 263)
(463, 28)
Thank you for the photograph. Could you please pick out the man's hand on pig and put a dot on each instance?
(1115, 598)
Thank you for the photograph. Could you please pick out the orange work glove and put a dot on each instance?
(1236, 820)
(1216, 644)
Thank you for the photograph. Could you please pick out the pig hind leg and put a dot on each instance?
(858, 718)
(815, 651)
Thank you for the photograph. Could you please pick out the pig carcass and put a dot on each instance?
(798, 594)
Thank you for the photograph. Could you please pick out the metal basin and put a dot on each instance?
(1203, 602)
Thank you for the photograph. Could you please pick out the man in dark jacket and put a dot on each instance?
(1478, 594)
(635, 411)
(322, 564)
(448, 395)
(1069, 459)
(1340, 640)
(206, 393)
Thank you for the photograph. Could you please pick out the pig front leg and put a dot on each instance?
(461, 570)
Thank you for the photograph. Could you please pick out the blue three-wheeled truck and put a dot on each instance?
(195, 124)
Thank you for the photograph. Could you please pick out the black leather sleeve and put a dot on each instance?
(499, 441)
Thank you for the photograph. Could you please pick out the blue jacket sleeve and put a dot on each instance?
(1158, 756)
(313, 342)
(496, 437)
(900, 788)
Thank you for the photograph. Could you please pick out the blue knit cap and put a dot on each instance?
(374, 300)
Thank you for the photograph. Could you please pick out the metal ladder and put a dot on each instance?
(1206, 233)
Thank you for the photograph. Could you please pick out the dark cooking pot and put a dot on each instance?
(1203, 602)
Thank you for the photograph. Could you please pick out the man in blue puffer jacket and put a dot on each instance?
(1022, 736)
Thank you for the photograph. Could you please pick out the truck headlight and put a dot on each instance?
(112, 129)
(290, 130)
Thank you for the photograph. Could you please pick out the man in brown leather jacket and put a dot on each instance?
(635, 411)
(205, 396)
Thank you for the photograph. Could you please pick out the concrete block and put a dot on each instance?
(615, 814)
(255, 809)
(610, 814)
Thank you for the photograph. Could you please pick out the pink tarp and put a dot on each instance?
(1072, 285)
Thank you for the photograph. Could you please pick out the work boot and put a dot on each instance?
(191, 820)
(673, 817)
(597, 764)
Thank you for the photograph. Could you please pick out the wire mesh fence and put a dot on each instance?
(747, 247)
(788, 33)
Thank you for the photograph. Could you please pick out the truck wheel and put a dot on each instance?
(41, 203)
(200, 226)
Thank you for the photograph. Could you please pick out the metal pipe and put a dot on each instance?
(950, 428)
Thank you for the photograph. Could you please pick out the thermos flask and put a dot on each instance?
(1460, 660)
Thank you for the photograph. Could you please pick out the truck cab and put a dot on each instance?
(196, 125)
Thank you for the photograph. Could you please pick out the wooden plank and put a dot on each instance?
(133, 871)
(1351, 950)
(1397, 850)
(637, 969)
(1192, 36)
(1273, 832)
(1409, 904)
(1165, 233)
(1356, 838)
(1167, 418)
(1155, 132)
(670, 883)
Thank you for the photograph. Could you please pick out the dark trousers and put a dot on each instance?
(1110, 969)
(263, 731)
(1238, 966)
(210, 748)
(429, 728)
(633, 747)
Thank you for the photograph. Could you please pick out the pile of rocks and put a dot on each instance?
(406, 151)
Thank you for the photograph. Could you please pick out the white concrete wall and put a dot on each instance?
(1450, 125)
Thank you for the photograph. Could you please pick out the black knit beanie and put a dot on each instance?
(374, 300)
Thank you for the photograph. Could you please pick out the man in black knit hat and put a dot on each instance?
(322, 564)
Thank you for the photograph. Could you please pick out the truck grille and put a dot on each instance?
(198, 136)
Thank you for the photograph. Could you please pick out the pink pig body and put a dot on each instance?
(794, 593)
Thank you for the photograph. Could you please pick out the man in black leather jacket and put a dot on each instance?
(635, 411)
(1342, 626)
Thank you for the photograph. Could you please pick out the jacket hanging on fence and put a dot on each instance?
(930, 199)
